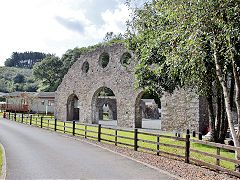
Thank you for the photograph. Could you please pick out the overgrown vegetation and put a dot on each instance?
(192, 44)
(17, 79)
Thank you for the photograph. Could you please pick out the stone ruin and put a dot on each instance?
(77, 97)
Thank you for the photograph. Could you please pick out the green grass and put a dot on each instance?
(193, 145)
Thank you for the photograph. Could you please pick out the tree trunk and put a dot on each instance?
(211, 118)
(237, 86)
(226, 96)
(224, 123)
(218, 116)
(237, 98)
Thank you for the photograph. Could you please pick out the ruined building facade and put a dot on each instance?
(77, 98)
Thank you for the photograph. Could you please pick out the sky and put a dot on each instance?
(54, 26)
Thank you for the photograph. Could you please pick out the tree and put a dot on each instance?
(191, 44)
(19, 78)
(49, 72)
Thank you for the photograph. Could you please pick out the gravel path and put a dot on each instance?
(174, 167)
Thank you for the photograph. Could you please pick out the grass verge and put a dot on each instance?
(109, 136)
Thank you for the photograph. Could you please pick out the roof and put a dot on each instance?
(46, 94)
(2, 94)
(37, 94)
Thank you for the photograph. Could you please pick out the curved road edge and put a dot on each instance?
(4, 163)
(146, 164)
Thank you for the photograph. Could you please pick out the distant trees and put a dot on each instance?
(17, 79)
(25, 60)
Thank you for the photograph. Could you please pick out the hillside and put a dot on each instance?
(16, 79)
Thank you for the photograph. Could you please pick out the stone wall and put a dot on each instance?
(183, 110)
(87, 78)
(87, 83)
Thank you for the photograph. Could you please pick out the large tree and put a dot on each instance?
(192, 44)
(49, 72)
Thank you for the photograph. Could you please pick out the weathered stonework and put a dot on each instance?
(86, 79)
(183, 110)
(87, 85)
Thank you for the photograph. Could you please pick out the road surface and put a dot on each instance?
(34, 153)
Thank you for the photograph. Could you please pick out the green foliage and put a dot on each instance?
(12, 79)
(110, 37)
(48, 71)
(25, 60)
(19, 78)
(104, 59)
(173, 42)
(2, 99)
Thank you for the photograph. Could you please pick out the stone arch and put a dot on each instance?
(97, 103)
(147, 108)
(138, 111)
(112, 104)
(72, 108)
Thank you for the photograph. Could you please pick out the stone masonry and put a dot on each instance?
(183, 110)
(87, 77)
(87, 85)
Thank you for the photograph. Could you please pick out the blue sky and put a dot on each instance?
(54, 26)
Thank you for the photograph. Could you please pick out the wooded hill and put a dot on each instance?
(17, 79)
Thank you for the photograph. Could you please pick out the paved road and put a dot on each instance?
(34, 153)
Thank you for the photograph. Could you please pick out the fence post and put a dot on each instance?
(158, 145)
(187, 150)
(15, 116)
(200, 136)
(115, 137)
(22, 117)
(218, 153)
(85, 131)
(64, 126)
(55, 125)
(41, 121)
(135, 139)
(73, 131)
(99, 132)
(31, 120)
(193, 134)
(9, 114)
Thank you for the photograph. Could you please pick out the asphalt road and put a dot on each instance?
(34, 153)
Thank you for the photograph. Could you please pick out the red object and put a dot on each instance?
(4, 115)
(208, 129)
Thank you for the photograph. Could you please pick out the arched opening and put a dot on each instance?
(72, 108)
(148, 111)
(104, 107)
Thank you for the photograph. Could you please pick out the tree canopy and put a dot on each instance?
(192, 44)
(25, 59)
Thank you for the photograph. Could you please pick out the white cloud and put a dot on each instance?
(29, 25)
